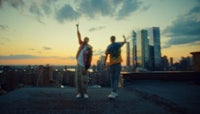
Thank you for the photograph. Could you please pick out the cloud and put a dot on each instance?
(1, 3)
(39, 52)
(32, 49)
(3, 27)
(128, 7)
(145, 8)
(46, 6)
(32, 7)
(96, 28)
(71, 57)
(184, 26)
(66, 13)
(73, 10)
(47, 48)
(19, 57)
(27, 56)
(91, 8)
(185, 29)
(35, 9)
(3, 40)
(17, 4)
(118, 9)
(182, 40)
(196, 43)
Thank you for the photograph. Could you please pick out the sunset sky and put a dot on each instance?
(44, 31)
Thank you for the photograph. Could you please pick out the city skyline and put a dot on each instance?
(44, 32)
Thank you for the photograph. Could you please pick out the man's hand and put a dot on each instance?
(124, 38)
(84, 71)
(77, 27)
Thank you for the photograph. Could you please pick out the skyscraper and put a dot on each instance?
(165, 63)
(171, 61)
(100, 63)
(128, 54)
(155, 50)
(140, 49)
(145, 49)
(133, 52)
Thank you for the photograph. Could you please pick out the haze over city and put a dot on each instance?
(44, 32)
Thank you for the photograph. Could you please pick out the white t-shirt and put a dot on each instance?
(80, 57)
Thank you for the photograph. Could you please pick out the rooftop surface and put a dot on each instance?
(139, 97)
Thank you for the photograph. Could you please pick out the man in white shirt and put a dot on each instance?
(84, 58)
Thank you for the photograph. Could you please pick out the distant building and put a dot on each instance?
(128, 66)
(171, 61)
(196, 61)
(165, 63)
(145, 57)
(102, 76)
(140, 49)
(145, 51)
(100, 63)
(155, 50)
(128, 54)
(171, 64)
(133, 52)
(186, 64)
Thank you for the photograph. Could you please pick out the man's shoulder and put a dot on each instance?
(114, 45)
(89, 46)
(111, 45)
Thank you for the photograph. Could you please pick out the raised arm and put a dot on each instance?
(124, 40)
(79, 35)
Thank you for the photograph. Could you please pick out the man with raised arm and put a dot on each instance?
(84, 58)
(114, 50)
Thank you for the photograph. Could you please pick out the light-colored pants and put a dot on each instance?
(81, 80)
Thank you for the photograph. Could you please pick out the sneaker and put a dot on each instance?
(112, 95)
(85, 96)
(78, 95)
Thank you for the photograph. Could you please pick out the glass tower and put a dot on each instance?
(145, 49)
(140, 49)
(155, 51)
(133, 52)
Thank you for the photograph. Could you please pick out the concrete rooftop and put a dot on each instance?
(139, 97)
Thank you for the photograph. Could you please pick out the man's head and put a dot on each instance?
(86, 40)
(112, 39)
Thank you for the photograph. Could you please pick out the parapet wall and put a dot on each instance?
(173, 76)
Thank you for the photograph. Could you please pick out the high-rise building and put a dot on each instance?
(155, 50)
(128, 54)
(165, 63)
(145, 49)
(133, 52)
(140, 49)
(100, 63)
(171, 61)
